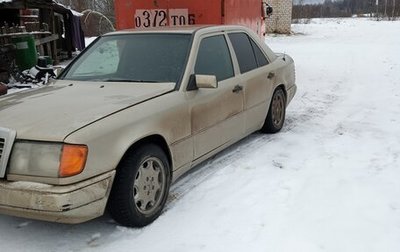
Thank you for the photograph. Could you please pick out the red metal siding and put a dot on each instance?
(246, 13)
(144, 13)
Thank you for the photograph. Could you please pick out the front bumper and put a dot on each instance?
(74, 203)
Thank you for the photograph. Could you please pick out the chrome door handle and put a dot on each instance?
(237, 89)
(271, 75)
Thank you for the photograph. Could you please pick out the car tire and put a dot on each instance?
(141, 186)
(276, 113)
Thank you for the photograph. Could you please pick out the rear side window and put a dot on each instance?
(244, 51)
(261, 59)
(214, 58)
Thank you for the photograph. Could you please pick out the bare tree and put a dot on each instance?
(393, 8)
(385, 14)
(105, 7)
(99, 16)
(345, 8)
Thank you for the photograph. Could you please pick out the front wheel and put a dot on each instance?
(141, 187)
(276, 113)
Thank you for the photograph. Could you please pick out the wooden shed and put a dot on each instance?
(55, 28)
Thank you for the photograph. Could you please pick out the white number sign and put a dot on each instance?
(163, 17)
(150, 18)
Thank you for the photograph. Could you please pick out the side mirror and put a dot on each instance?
(206, 81)
(202, 81)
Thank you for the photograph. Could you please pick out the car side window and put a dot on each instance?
(260, 57)
(244, 51)
(214, 58)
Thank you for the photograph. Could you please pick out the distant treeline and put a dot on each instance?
(389, 9)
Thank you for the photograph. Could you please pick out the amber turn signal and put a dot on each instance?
(73, 159)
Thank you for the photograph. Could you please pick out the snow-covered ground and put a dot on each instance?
(330, 181)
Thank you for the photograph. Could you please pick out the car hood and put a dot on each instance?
(52, 112)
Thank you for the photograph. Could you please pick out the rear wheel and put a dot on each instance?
(141, 187)
(276, 113)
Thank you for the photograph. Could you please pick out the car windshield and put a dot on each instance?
(132, 58)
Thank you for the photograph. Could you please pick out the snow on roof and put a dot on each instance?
(74, 12)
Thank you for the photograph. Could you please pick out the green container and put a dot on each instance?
(26, 54)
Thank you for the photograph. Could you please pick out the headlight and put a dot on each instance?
(47, 159)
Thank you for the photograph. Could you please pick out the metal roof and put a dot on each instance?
(181, 29)
(23, 4)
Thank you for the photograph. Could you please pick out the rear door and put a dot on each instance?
(254, 71)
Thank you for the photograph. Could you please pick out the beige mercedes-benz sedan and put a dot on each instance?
(130, 115)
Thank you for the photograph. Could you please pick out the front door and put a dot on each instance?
(217, 116)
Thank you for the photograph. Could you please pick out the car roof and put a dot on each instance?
(190, 29)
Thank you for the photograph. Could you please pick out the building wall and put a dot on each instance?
(281, 18)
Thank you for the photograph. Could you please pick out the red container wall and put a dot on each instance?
(246, 13)
(150, 13)
(204, 11)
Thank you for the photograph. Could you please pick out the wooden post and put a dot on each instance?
(53, 44)
(68, 34)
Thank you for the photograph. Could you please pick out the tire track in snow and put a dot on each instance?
(295, 119)
(220, 161)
